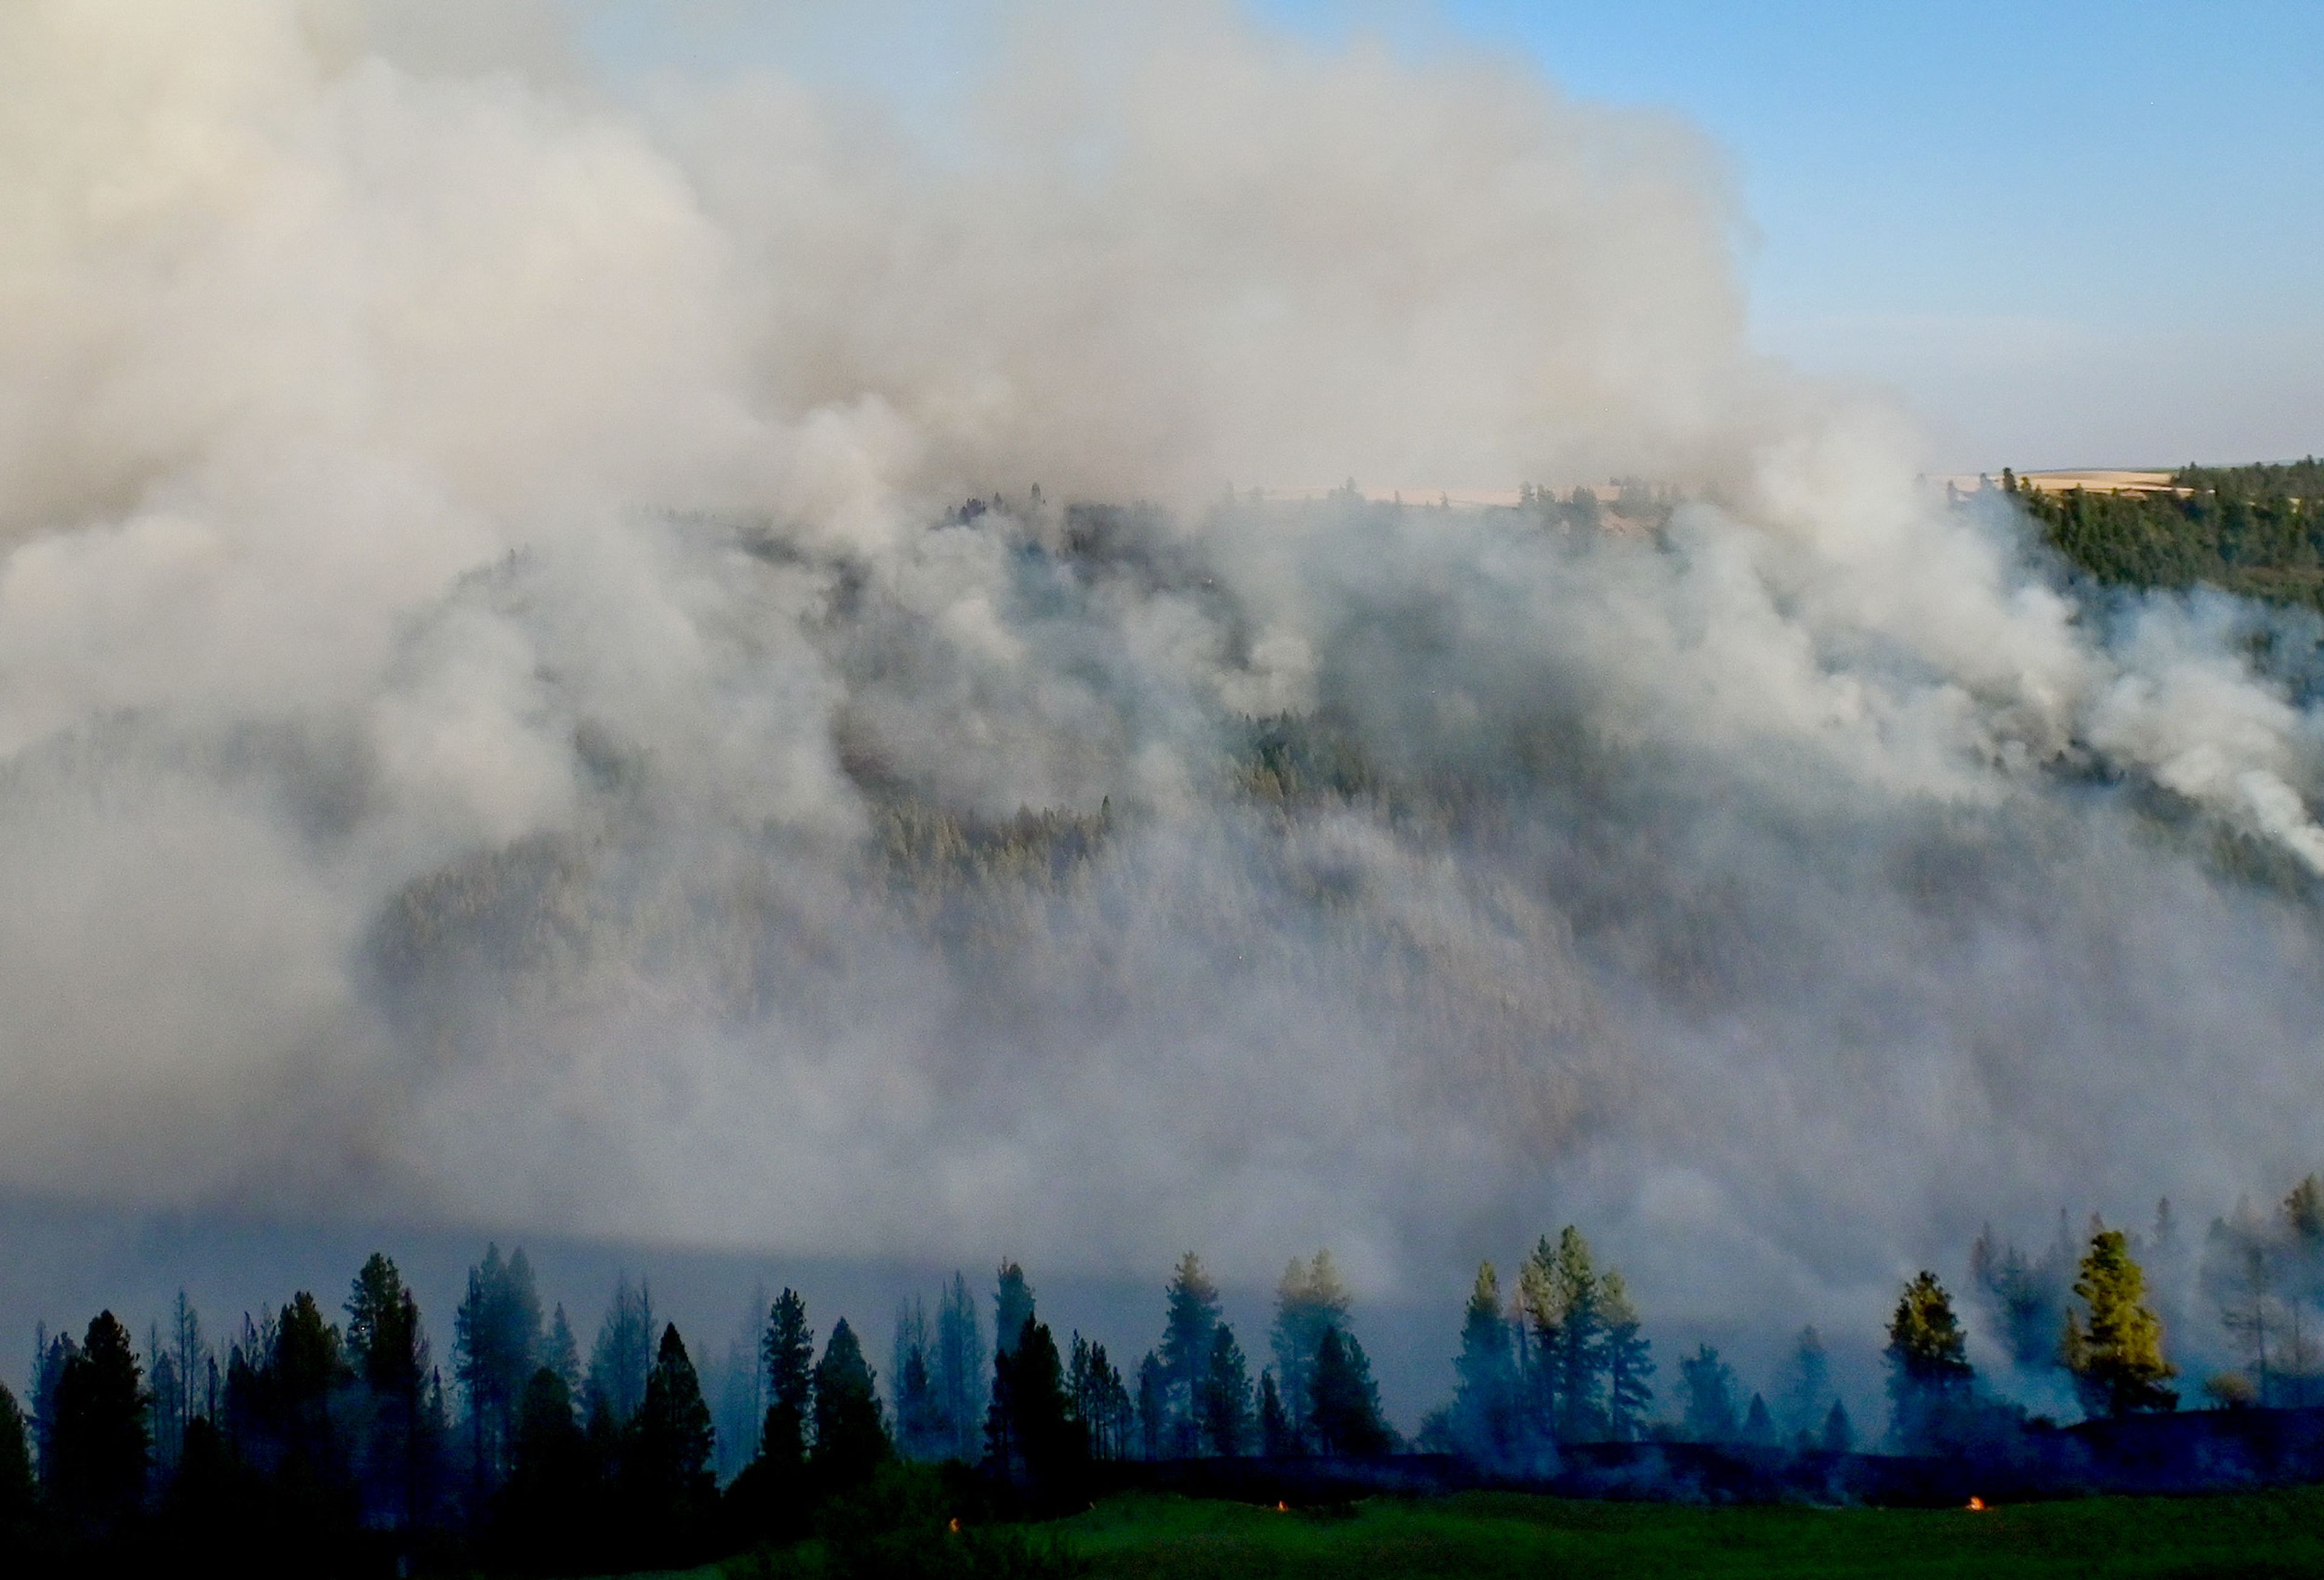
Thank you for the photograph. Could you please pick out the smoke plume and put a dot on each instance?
(711, 666)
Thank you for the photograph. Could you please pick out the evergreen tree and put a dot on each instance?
(497, 1342)
(851, 1437)
(1309, 1300)
(1709, 1386)
(1561, 1286)
(788, 1352)
(389, 1354)
(50, 1356)
(1186, 1337)
(1153, 1406)
(1929, 1373)
(190, 1361)
(1275, 1436)
(551, 1514)
(1226, 1395)
(911, 1382)
(1759, 1423)
(563, 1355)
(98, 1450)
(1343, 1408)
(1484, 1423)
(1807, 1387)
(1012, 1306)
(309, 1368)
(622, 1354)
(2115, 1354)
(1838, 1431)
(1629, 1361)
(1036, 1437)
(958, 1369)
(665, 1463)
(15, 1466)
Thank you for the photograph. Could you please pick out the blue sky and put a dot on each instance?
(2065, 233)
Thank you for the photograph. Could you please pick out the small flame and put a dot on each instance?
(1976, 1505)
(1281, 1507)
(956, 1525)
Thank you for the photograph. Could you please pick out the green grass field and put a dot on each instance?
(2273, 1534)
(2267, 1536)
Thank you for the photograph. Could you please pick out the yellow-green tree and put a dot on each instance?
(2114, 1344)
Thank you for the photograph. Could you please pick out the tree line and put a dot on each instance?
(306, 1430)
(2256, 530)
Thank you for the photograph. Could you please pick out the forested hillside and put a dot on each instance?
(2257, 531)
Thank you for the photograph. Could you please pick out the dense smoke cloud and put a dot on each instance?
(506, 717)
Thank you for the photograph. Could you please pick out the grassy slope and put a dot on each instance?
(1482, 1534)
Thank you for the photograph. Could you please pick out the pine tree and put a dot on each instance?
(15, 1466)
(787, 1350)
(1929, 1373)
(850, 1435)
(1759, 1423)
(1838, 1431)
(497, 1341)
(1186, 1337)
(1629, 1361)
(1808, 1383)
(389, 1354)
(50, 1356)
(99, 1441)
(959, 1371)
(1482, 1422)
(551, 1511)
(1036, 1423)
(1276, 1436)
(1153, 1406)
(1226, 1395)
(1309, 1300)
(2115, 1354)
(1564, 1288)
(1709, 1385)
(622, 1354)
(665, 1464)
(1012, 1306)
(563, 1355)
(1344, 1404)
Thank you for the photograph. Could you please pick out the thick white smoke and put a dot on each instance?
(493, 678)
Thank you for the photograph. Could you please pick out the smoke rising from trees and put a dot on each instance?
(526, 630)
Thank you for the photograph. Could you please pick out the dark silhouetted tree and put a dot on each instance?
(1838, 1431)
(1012, 1306)
(50, 1354)
(497, 1342)
(851, 1437)
(552, 1512)
(389, 1352)
(1309, 1300)
(98, 1442)
(1344, 1411)
(2115, 1351)
(957, 1372)
(1193, 1318)
(666, 1456)
(1709, 1384)
(1484, 1420)
(1153, 1408)
(772, 1496)
(563, 1353)
(15, 1466)
(1226, 1395)
(622, 1354)
(1759, 1423)
(1629, 1361)
(1275, 1436)
(1806, 1388)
